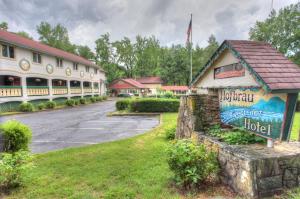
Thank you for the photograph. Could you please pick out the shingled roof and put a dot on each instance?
(23, 42)
(269, 67)
(132, 82)
(150, 80)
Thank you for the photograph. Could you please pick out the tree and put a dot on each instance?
(281, 30)
(56, 36)
(24, 34)
(126, 56)
(106, 58)
(3, 25)
(85, 51)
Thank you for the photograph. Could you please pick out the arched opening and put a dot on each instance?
(37, 86)
(10, 86)
(96, 87)
(75, 87)
(87, 87)
(59, 87)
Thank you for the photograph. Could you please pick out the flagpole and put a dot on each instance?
(191, 53)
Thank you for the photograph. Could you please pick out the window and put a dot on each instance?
(37, 58)
(59, 63)
(95, 70)
(8, 51)
(87, 69)
(75, 66)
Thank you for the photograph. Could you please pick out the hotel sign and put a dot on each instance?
(253, 110)
(232, 70)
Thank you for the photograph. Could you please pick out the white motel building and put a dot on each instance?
(34, 72)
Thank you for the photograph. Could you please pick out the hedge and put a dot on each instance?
(298, 106)
(122, 104)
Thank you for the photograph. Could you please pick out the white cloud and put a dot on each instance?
(167, 20)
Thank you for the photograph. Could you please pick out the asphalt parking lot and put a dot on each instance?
(78, 126)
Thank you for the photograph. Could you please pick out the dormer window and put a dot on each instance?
(59, 63)
(36, 58)
(8, 51)
(75, 66)
(87, 69)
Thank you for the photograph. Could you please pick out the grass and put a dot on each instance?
(296, 127)
(130, 168)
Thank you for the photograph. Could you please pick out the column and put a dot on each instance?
(92, 83)
(69, 88)
(50, 89)
(81, 86)
(24, 88)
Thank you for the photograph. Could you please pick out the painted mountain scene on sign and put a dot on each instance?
(264, 111)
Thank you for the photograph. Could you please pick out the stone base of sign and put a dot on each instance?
(196, 112)
(254, 170)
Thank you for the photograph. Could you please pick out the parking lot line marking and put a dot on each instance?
(110, 129)
(44, 141)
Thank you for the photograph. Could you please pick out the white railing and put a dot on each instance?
(37, 90)
(10, 91)
(59, 90)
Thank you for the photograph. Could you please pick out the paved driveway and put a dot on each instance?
(53, 130)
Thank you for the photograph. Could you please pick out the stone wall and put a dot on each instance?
(254, 170)
(197, 112)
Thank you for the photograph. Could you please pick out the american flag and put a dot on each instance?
(189, 31)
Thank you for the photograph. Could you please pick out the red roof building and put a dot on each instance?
(128, 85)
(150, 80)
(176, 89)
(30, 44)
(270, 68)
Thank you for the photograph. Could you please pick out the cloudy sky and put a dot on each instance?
(86, 20)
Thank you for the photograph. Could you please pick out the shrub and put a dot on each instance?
(154, 105)
(122, 104)
(235, 136)
(14, 168)
(70, 102)
(50, 104)
(170, 132)
(298, 105)
(26, 107)
(93, 99)
(168, 94)
(76, 102)
(82, 101)
(41, 106)
(192, 164)
(17, 136)
(104, 97)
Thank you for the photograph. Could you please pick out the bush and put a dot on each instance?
(76, 102)
(14, 168)
(41, 106)
(50, 104)
(298, 105)
(168, 94)
(123, 104)
(192, 164)
(170, 132)
(154, 105)
(82, 101)
(93, 99)
(17, 136)
(26, 107)
(235, 136)
(104, 97)
(70, 102)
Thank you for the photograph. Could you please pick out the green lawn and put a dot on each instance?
(296, 127)
(131, 168)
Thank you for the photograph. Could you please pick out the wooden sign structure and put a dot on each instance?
(257, 87)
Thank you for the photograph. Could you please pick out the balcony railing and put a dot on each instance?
(59, 90)
(87, 90)
(96, 90)
(37, 90)
(10, 91)
(75, 90)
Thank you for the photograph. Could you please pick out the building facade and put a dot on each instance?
(32, 71)
(127, 86)
(153, 84)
